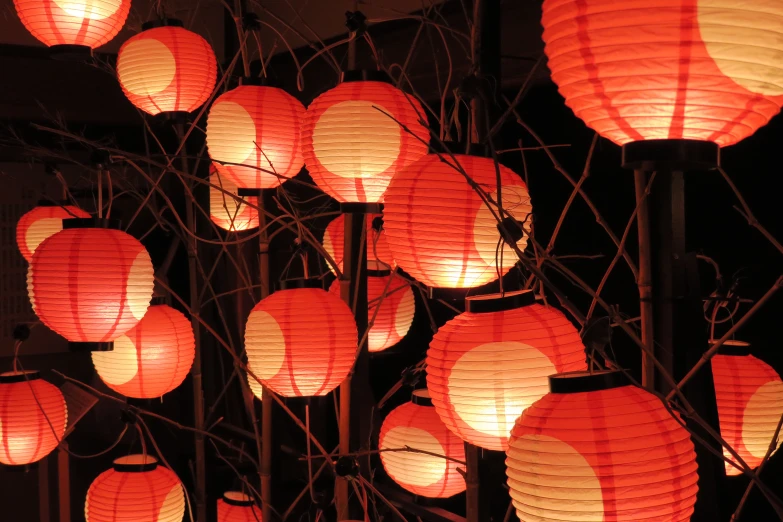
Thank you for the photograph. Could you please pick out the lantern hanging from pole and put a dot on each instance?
(417, 426)
(597, 448)
(225, 211)
(485, 366)
(236, 506)
(166, 68)
(352, 144)
(137, 489)
(439, 229)
(33, 416)
(377, 246)
(707, 70)
(41, 222)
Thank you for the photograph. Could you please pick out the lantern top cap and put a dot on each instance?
(481, 304)
(237, 498)
(298, 284)
(163, 22)
(365, 75)
(421, 397)
(113, 224)
(377, 269)
(135, 463)
(582, 381)
(12, 377)
(733, 347)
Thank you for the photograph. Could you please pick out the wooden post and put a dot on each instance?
(44, 512)
(64, 482)
(267, 402)
(644, 281)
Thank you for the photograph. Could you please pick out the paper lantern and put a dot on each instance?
(42, 222)
(167, 69)
(235, 506)
(596, 448)
(150, 359)
(225, 211)
(256, 389)
(301, 342)
(416, 425)
(83, 23)
(749, 393)
(485, 366)
(353, 145)
(137, 489)
(377, 246)
(438, 228)
(26, 402)
(90, 284)
(253, 133)
(668, 69)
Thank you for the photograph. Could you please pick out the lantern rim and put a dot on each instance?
(365, 75)
(70, 53)
(298, 284)
(421, 397)
(162, 22)
(584, 381)
(113, 224)
(53, 203)
(655, 155)
(357, 207)
(19, 376)
(488, 303)
(733, 347)
(257, 81)
(377, 269)
(136, 463)
(237, 498)
(87, 346)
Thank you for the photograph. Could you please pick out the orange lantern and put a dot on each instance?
(415, 425)
(377, 246)
(225, 211)
(166, 68)
(137, 489)
(253, 134)
(235, 506)
(301, 341)
(597, 448)
(439, 229)
(33, 416)
(41, 222)
(353, 145)
(150, 359)
(666, 69)
(485, 366)
(90, 284)
(749, 393)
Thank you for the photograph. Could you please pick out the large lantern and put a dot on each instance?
(253, 134)
(597, 448)
(415, 425)
(166, 69)
(352, 144)
(485, 366)
(150, 359)
(135, 488)
(749, 393)
(225, 211)
(42, 222)
(377, 246)
(33, 416)
(236, 506)
(90, 284)
(439, 229)
(707, 70)
(301, 341)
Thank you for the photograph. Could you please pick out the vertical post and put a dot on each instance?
(64, 482)
(644, 281)
(44, 513)
(267, 402)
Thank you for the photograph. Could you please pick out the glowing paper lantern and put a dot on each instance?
(137, 489)
(485, 366)
(301, 342)
(416, 425)
(596, 448)
(749, 393)
(438, 228)
(225, 211)
(353, 145)
(255, 388)
(26, 402)
(706, 70)
(253, 129)
(167, 69)
(235, 506)
(377, 246)
(150, 359)
(90, 284)
(42, 222)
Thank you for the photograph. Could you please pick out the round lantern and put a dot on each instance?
(73, 24)
(135, 488)
(749, 393)
(301, 341)
(33, 416)
(235, 506)
(704, 70)
(417, 426)
(90, 284)
(439, 229)
(150, 359)
(485, 366)
(225, 211)
(353, 145)
(42, 222)
(377, 246)
(597, 448)
(166, 69)
(253, 134)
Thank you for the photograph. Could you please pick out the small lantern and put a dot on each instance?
(377, 246)
(41, 222)
(236, 506)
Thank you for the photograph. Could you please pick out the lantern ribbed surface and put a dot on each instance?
(438, 228)
(418, 426)
(90, 23)
(225, 211)
(253, 134)
(167, 69)
(40, 223)
(236, 506)
(613, 454)
(377, 245)
(150, 359)
(484, 369)
(301, 342)
(353, 148)
(125, 493)
(26, 402)
(91, 284)
(668, 69)
(255, 388)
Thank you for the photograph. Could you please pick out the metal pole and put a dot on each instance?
(644, 281)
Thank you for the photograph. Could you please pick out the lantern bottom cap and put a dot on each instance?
(70, 53)
(12, 377)
(655, 155)
(358, 207)
(421, 397)
(583, 381)
(488, 303)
